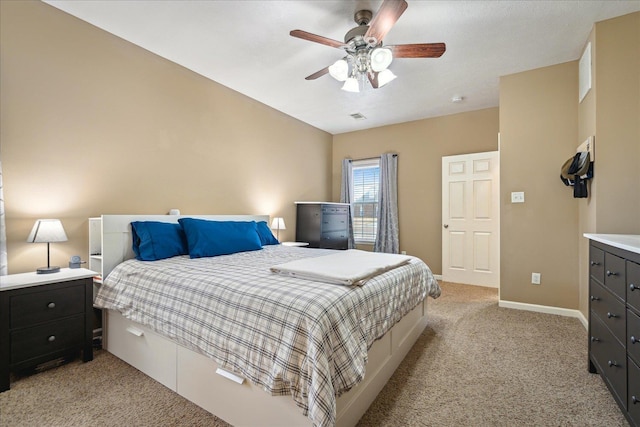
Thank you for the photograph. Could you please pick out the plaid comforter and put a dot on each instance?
(290, 336)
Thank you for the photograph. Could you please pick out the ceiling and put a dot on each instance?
(245, 45)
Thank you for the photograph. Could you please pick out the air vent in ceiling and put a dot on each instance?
(358, 116)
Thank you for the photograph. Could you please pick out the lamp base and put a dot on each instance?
(47, 270)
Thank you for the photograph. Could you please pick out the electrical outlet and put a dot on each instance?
(535, 278)
(403, 252)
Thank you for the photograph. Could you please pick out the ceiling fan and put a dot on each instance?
(366, 57)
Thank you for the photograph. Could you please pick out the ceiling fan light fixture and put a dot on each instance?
(385, 76)
(380, 58)
(351, 85)
(339, 70)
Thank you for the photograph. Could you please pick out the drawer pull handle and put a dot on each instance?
(611, 315)
(632, 287)
(611, 273)
(230, 375)
(595, 263)
(594, 298)
(51, 305)
(612, 363)
(633, 339)
(594, 339)
(135, 331)
(52, 338)
(634, 400)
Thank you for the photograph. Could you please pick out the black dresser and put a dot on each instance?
(614, 323)
(323, 225)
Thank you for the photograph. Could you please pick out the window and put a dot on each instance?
(366, 180)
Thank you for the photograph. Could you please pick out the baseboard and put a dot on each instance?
(545, 309)
(438, 277)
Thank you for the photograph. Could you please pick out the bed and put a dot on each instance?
(255, 347)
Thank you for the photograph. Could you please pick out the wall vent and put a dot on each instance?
(358, 116)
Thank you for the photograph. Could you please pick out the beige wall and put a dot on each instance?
(538, 132)
(611, 112)
(420, 146)
(91, 124)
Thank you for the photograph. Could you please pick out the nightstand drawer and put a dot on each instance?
(37, 307)
(48, 338)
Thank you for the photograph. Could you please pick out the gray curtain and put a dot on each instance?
(3, 233)
(346, 195)
(387, 239)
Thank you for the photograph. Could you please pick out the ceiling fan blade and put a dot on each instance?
(316, 38)
(418, 50)
(373, 79)
(317, 74)
(385, 18)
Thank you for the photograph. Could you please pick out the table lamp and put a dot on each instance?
(278, 224)
(47, 231)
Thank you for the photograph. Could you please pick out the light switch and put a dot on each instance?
(517, 197)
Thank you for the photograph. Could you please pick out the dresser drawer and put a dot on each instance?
(633, 336)
(633, 401)
(614, 274)
(334, 223)
(334, 240)
(610, 357)
(633, 285)
(44, 339)
(328, 209)
(596, 264)
(609, 309)
(37, 307)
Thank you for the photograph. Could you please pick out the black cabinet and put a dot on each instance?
(44, 317)
(323, 225)
(614, 323)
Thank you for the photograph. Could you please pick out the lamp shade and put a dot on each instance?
(339, 70)
(351, 85)
(380, 58)
(46, 231)
(384, 77)
(278, 224)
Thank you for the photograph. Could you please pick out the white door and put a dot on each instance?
(471, 219)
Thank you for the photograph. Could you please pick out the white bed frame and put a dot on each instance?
(225, 394)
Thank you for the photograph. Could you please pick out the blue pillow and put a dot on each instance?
(211, 238)
(153, 240)
(266, 236)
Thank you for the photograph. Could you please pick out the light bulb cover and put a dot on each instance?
(384, 77)
(380, 58)
(351, 85)
(339, 70)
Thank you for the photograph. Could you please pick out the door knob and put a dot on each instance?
(446, 226)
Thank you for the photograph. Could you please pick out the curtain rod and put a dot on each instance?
(369, 158)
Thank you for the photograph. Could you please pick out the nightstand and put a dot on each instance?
(44, 317)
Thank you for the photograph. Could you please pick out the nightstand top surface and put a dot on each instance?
(24, 280)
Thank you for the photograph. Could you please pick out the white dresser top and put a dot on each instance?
(629, 242)
(24, 280)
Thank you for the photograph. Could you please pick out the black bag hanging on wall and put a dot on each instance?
(575, 172)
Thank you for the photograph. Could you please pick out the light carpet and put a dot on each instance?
(474, 365)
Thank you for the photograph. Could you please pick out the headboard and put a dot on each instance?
(116, 233)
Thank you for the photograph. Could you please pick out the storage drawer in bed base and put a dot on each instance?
(194, 376)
